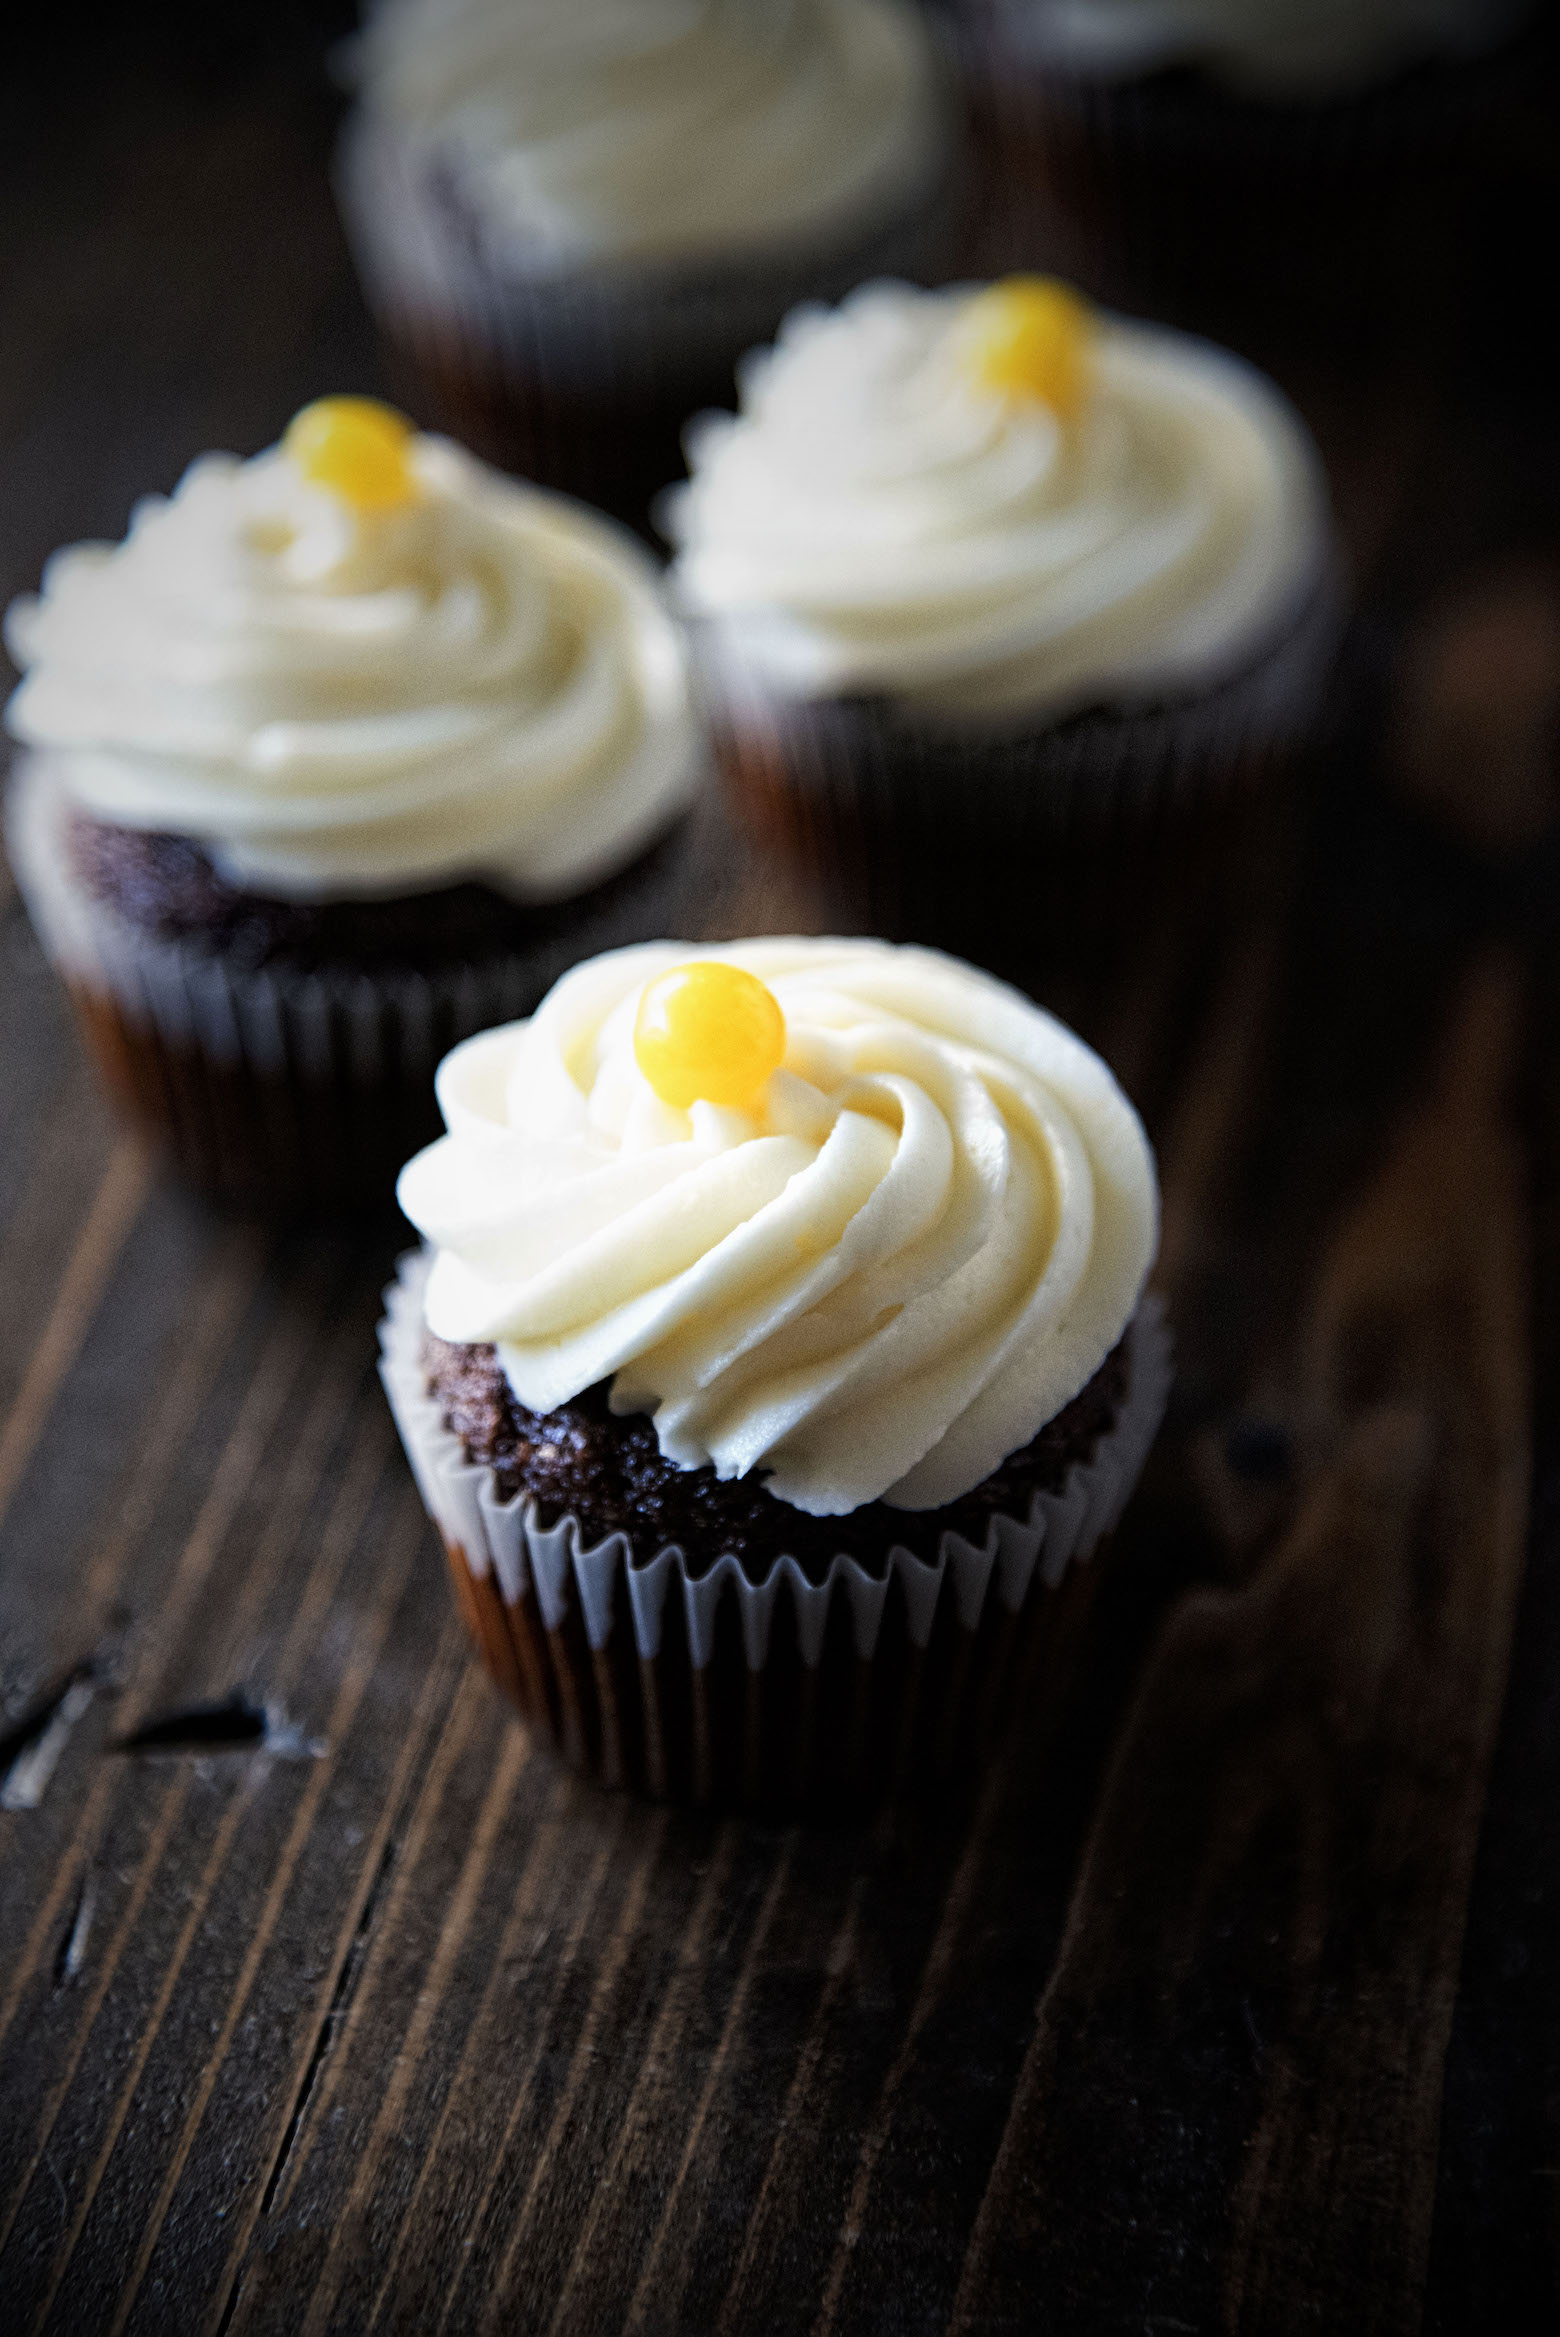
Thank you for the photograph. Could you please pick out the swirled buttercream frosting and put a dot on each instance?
(605, 130)
(919, 1241)
(1273, 48)
(472, 680)
(880, 518)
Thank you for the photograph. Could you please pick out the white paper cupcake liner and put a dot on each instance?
(585, 379)
(693, 1681)
(273, 1087)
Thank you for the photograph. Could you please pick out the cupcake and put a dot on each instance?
(992, 592)
(1270, 157)
(779, 1360)
(573, 221)
(340, 756)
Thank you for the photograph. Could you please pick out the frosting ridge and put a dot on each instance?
(886, 1276)
(477, 680)
(662, 129)
(875, 519)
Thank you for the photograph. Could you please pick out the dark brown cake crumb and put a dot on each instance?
(170, 886)
(612, 1474)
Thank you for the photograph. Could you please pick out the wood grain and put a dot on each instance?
(1357, 1673)
(385, 2022)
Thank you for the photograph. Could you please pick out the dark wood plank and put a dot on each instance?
(1259, 1966)
(1495, 2257)
(390, 2025)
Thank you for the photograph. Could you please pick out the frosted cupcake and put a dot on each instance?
(1257, 151)
(779, 1360)
(983, 577)
(341, 755)
(573, 220)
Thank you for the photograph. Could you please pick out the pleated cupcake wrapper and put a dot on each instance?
(273, 1087)
(634, 327)
(588, 375)
(891, 816)
(597, 1604)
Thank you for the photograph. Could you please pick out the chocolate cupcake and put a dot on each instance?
(779, 1361)
(572, 221)
(994, 596)
(342, 755)
(1285, 162)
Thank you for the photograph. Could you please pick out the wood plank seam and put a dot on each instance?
(530, 1882)
(588, 1896)
(65, 1168)
(131, 1507)
(459, 1722)
(1454, 1178)
(232, 1818)
(103, 1237)
(336, 1545)
(671, 2211)
(614, 1957)
(397, 1563)
(133, 1511)
(264, 1400)
(934, 1979)
(838, 1967)
(171, 1811)
(355, 1936)
(671, 2018)
(515, 1754)
(206, 1337)
(1437, 1239)
(334, 1397)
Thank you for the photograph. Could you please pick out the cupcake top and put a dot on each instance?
(364, 663)
(1269, 48)
(996, 504)
(650, 130)
(853, 1216)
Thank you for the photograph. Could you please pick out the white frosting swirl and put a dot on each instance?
(874, 521)
(919, 1246)
(485, 681)
(1271, 48)
(603, 130)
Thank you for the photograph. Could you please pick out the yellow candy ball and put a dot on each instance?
(709, 1032)
(1031, 337)
(357, 448)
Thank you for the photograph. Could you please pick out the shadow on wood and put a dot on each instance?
(1248, 2018)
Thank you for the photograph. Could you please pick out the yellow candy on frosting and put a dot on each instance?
(357, 448)
(875, 1288)
(1031, 337)
(709, 1032)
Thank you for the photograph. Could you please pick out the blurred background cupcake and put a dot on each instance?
(340, 755)
(572, 220)
(1292, 158)
(992, 591)
(781, 1354)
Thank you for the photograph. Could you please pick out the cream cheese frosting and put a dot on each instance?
(482, 681)
(609, 130)
(1273, 48)
(874, 520)
(918, 1245)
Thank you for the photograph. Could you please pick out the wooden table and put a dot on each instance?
(1236, 2002)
